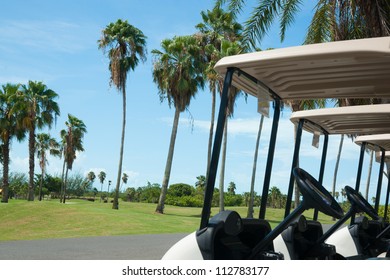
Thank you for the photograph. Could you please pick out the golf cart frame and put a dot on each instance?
(333, 70)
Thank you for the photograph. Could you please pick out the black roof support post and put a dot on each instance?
(216, 149)
(270, 158)
(295, 163)
(387, 197)
(359, 173)
(380, 178)
(322, 167)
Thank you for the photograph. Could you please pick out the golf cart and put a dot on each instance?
(298, 243)
(352, 69)
(367, 238)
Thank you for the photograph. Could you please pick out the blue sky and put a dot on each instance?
(56, 42)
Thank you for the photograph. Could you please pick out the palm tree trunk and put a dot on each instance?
(213, 94)
(31, 150)
(65, 183)
(168, 166)
(5, 150)
(62, 181)
(252, 191)
(336, 168)
(115, 204)
(369, 174)
(222, 174)
(40, 185)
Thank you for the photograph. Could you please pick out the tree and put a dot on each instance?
(45, 143)
(217, 25)
(73, 136)
(8, 130)
(232, 188)
(125, 177)
(126, 47)
(369, 174)
(91, 177)
(102, 176)
(332, 19)
(178, 74)
(37, 108)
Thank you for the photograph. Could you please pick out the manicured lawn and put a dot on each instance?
(22, 220)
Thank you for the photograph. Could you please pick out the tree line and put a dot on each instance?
(25, 110)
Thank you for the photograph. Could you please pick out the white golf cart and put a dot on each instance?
(301, 242)
(348, 69)
(367, 238)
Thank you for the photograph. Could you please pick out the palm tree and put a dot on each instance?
(73, 136)
(125, 177)
(217, 25)
(37, 108)
(45, 143)
(332, 19)
(126, 46)
(178, 76)
(227, 48)
(8, 130)
(102, 176)
(91, 177)
(369, 174)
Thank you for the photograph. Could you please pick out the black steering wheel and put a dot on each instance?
(315, 195)
(360, 203)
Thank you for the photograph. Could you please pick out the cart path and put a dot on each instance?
(129, 247)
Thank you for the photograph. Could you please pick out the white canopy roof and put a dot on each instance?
(344, 69)
(366, 119)
(375, 142)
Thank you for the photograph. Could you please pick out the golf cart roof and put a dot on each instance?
(365, 119)
(375, 142)
(344, 69)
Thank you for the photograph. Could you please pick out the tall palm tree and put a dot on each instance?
(217, 25)
(37, 106)
(8, 130)
(102, 176)
(73, 136)
(45, 143)
(178, 74)
(126, 47)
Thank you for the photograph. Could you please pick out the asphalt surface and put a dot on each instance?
(130, 247)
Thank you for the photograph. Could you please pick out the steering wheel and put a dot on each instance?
(315, 195)
(360, 203)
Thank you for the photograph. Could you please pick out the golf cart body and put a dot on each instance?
(333, 70)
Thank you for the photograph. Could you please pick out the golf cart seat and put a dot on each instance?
(229, 237)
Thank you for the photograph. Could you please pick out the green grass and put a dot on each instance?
(22, 220)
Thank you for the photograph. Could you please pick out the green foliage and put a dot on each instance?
(180, 190)
(18, 185)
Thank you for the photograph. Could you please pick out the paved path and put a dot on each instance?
(129, 247)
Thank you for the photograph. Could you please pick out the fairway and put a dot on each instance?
(22, 220)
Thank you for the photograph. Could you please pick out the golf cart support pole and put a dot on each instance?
(359, 173)
(322, 167)
(387, 196)
(216, 149)
(380, 176)
(271, 152)
(294, 164)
